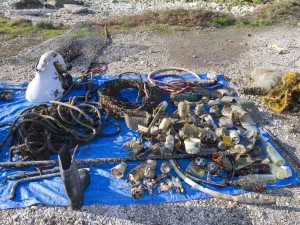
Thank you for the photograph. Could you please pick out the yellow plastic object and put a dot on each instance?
(226, 140)
(278, 98)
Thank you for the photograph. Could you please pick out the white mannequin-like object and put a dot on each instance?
(46, 85)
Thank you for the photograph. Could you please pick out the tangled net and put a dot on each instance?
(285, 94)
(109, 94)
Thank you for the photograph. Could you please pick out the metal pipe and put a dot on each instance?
(96, 161)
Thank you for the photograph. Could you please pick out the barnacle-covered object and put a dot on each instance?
(200, 109)
(183, 109)
(134, 146)
(165, 167)
(207, 136)
(234, 137)
(178, 185)
(135, 118)
(225, 122)
(119, 170)
(137, 191)
(190, 130)
(194, 169)
(192, 145)
(109, 94)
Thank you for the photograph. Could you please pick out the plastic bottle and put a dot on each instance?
(274, 155)
(279, 172)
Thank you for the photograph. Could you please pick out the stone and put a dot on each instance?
(27, 4)
(75, 9)
(60, 3)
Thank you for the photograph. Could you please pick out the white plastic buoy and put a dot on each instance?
(47, 85)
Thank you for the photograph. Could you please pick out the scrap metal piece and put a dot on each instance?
(14, 187)
(178, 185)
(119, 170)
(135, 118)
(134, 146)
(165, 167)
(192, 145)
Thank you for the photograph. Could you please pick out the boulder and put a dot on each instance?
(60, 3)
(27, 4)
(75, 9)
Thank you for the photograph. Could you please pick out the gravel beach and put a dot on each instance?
(234, 52)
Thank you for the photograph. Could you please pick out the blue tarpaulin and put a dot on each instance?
(104, 188)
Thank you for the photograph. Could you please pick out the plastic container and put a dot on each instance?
(279, 172)
(274, 155)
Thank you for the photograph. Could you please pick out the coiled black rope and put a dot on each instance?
(109, 95)
(44, 129)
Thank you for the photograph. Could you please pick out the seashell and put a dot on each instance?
(119, 170)
(225, 122)
(164, 125)
(183, 109)
(207, 136)
(192, 145)
(134, 146)
(165, 167)
(234, 137)
(200, 110)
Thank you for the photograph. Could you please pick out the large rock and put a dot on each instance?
(263, 80)
(60, 3)
(27, 4)
(75, 9)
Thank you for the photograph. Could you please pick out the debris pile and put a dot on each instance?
(205, 124)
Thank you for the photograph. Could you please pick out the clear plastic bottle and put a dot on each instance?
(274, 155)
(279, 172)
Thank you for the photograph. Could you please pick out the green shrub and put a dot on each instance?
(20, 22)
(128, 24)
(45, 25)
(226, 21)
